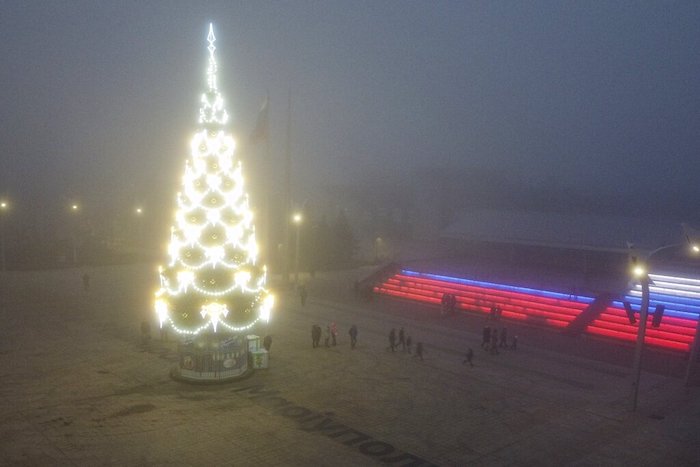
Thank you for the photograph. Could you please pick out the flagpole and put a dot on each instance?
(287, 189)
(268, 196)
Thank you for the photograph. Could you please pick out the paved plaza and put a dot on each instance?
(79, 387)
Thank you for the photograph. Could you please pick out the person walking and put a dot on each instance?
(267, 344)
(468, 357)
(303, 294)
(504, 338)
(353, 336)
(409, 342)
(419, 350)
(327, 337)
(315, 335)
(486, 337)
(392, 339)
(334, 333)
(402, 339)
(445, 303)
(494, 341)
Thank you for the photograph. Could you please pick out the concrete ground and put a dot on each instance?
(78, 387)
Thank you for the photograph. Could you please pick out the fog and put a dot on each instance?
(589, 106)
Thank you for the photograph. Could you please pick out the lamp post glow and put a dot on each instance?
(297, 219)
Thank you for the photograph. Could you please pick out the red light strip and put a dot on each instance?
(520, 305)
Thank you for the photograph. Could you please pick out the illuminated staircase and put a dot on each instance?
(517, 303)
(573, 314)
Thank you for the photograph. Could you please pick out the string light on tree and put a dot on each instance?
(212, 281)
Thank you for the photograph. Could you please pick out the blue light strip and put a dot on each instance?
(510, 288)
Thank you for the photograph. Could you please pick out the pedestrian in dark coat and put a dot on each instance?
(334, 333)
(468, 357)
(303, 294)
(486, 337)
(392, 339)
(267, 342)
(419, 350)
(494, 341)
(504, 338)
(353, 336)
(453, 303)
(409, 342)
(316, 335)
(402, 339)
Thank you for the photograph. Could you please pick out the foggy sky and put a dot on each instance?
(98, 98)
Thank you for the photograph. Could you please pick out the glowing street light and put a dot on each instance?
(639, 271)
(297, 219)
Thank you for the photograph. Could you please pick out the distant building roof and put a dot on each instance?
(557, 230)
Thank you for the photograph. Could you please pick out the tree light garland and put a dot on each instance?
(212, 280)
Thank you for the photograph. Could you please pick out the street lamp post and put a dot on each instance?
(297, 218)
(4, 206)
(641, 334)
(139, 225)
(642, 272)
(74, 209)
(693, 355)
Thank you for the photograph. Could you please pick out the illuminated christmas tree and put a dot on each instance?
(212, 283)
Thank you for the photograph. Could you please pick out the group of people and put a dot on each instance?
(331, 332)
(405, 342)
(331, 335)
(493, 339)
